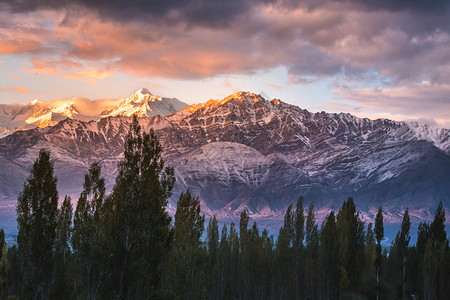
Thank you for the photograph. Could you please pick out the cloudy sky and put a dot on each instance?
(374, 58)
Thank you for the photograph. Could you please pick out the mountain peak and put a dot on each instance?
(244, 96)
(50, 115)
(143, 104)
(35, 101)
(143, 91)
(239, 97)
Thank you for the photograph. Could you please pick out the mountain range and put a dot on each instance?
(240, 152)
(14, 117)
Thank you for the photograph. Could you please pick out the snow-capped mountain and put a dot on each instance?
(50, 116)
(144, 104)
(49, 113)
(244, 151)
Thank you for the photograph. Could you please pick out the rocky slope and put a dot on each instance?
(247, 152)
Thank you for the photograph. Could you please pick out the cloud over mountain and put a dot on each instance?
(392, 43)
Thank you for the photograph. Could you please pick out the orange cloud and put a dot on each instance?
(56, 68)
(274, 86)
(19, 90)
(334, 38)
(91, 75)
(14, 76)
(17, 46)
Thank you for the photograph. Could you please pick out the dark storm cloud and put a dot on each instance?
(422, 6)
(405, 5)
(215, 13)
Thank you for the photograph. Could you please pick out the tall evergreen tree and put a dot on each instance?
(369, 283)
(62, 252)
(432, 245)
(3, 266)
(37, 209)
(224, 265)
(14, 271)
(351, 250)
(437, 227)
(185, 268)
(265, 265)
(312, 249)
(401, 244)
(88, 235)
(329, 259)
(282, 286)
(236, 274)
(245, 238)
(212, 239)
(141, 225)
(298, 245)
(289, 225)
(379, 235)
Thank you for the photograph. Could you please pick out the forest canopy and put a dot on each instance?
(125, 245)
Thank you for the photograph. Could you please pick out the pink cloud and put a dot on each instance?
(401, 102)
(18, 46)
(334, 38)
(19, 90)
(61, 68)
(274, 86)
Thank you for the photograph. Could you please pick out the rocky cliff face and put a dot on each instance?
(247, 152)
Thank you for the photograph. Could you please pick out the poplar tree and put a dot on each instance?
(298, 245)
(437, 227)
(3, 266)
(62, 252)
(212, 240)
(401, 244)
(224, 265)
(236, 269)
(351, 242)
(141, 225)
(88, 235)
(37, 210)
(186, 266)
(312, 249)
(329, 258)
(379, 235)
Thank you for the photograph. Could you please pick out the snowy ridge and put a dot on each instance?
(50, 116)
(43, 114)
(246, 152)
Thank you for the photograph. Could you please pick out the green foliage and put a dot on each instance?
(14, 271)
(185, 276)
(123, 246)
(89, 236)
(379, 235)
(37, 210)
(3, 266)
(60, 282)
(437, 227)
(212, 240)
(140, 223)
(379, 228)
(434, 257)
(312, 247)
(298, 246)
(328, 258)
(351, 247)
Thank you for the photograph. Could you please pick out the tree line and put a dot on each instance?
(125, 246)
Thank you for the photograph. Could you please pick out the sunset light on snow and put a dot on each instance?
(369, 58)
